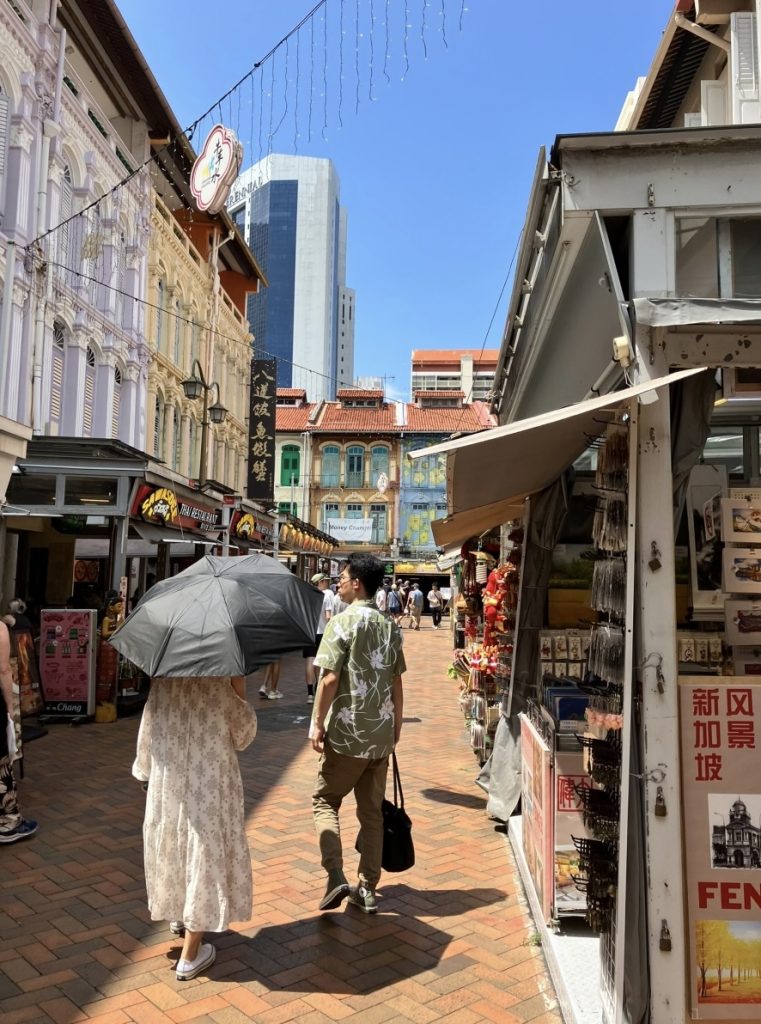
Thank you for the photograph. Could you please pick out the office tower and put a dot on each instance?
(289, 211)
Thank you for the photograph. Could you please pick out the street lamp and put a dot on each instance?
(194, 387)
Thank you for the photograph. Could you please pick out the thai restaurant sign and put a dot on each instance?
(261, 430)
(215, 169)
(161, 505)
(720, 728)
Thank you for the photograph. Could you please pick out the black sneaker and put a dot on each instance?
(22, 831)
(363, 896)
(336, 892)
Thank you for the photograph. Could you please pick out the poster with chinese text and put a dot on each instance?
(720, 717)
(569, 778)
(261, 430)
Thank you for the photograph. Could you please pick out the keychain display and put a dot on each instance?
(606, 652)
(609, 586)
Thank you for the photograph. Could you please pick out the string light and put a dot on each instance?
(422, 30)
(296, 98)
(463, 9)
(325, 78)
(341, 35)
(387, 45)
(406, 38)
(372, 50)
(444, 23)
(356, 57)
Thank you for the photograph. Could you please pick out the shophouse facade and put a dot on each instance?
(469, 370)
(81, 115)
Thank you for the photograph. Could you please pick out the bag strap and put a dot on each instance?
(398, 802)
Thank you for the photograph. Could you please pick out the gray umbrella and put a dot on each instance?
(220, 617)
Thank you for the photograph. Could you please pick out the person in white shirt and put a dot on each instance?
(380, 600)
(436, 604)
(312, 674)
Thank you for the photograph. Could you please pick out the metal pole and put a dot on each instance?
(204, 429)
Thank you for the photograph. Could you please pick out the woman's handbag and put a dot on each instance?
(398, 848)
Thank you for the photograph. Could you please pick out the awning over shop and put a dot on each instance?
(490, 474)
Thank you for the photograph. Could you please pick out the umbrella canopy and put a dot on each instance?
(220, 617)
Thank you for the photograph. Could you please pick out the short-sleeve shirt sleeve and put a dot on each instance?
(333, 648)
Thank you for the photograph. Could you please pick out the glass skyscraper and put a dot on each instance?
(289, 211)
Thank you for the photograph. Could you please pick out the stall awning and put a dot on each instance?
(157, 535)
(490, 474)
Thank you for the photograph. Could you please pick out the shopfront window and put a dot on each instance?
(355, 466)
(379, 533)
(354, 512)
(329, 511)
(379, 464)
(287, 508)
(25, 489)
(330, 466)
(90, 490)
(718, 257)
(289, 465)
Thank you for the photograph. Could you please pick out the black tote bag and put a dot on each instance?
(398, 848)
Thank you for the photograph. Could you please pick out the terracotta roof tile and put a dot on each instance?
(453, 355)
(469, 418)
(290, 418)
(291, 393)
(336, 419)
(358, 393)
(428, 393)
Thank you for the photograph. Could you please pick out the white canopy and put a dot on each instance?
(491, 473)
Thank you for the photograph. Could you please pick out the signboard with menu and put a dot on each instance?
(67, 661)
(720, 728)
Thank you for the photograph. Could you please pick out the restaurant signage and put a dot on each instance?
(215, 169)
(261, 430)
(720, 728)
(247, 526)
(161, 505)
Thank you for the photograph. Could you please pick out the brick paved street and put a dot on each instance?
(452, 941)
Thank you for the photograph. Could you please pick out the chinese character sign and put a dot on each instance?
(261, 430)
(721, 782)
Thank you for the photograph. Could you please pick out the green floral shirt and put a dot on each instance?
(364, 649)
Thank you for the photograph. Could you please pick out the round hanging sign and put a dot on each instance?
(216, 169)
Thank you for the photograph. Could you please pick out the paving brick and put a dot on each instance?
(449, 942)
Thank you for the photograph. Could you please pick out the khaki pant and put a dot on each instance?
(337, 776)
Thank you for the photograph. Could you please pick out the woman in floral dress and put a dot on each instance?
(197, 865)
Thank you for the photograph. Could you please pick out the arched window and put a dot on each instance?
(192, 449)
(63, 232)
(355, 466)
(178, 325)
(160, 297)
(379, 464)
(176, 440)
(88, 410)
(158, 427)
(330, 466)
(57, 362)
(289, 465)
(379, 534)
(116, 404)
(5, 112)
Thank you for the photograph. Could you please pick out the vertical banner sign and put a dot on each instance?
(261, 431)
(721, 781)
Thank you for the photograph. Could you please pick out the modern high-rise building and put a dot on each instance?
(289, 211)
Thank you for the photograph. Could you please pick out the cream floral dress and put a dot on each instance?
(197, 864)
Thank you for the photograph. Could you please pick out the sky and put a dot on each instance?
(436, 168)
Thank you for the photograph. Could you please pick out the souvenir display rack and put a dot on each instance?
(488, 609)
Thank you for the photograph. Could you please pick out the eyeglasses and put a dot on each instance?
(344, 579)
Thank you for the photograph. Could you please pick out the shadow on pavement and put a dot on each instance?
(448, 796)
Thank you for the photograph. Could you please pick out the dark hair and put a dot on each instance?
(367, 569)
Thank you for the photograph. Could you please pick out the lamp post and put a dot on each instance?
(194, 387)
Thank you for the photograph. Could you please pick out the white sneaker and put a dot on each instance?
(187, 969)
(310, 698)
(264, 692)
(275, 695)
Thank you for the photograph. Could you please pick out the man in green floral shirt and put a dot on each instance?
(356, 723)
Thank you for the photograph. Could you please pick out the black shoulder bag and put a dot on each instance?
(398, 848)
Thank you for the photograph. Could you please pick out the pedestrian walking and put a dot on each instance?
(381, 599)
(415, 606)
(436, 604)
(13, 826)
(311, 672)
(270, 688)
(197, 864)
(356, 723)
(394, 604)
